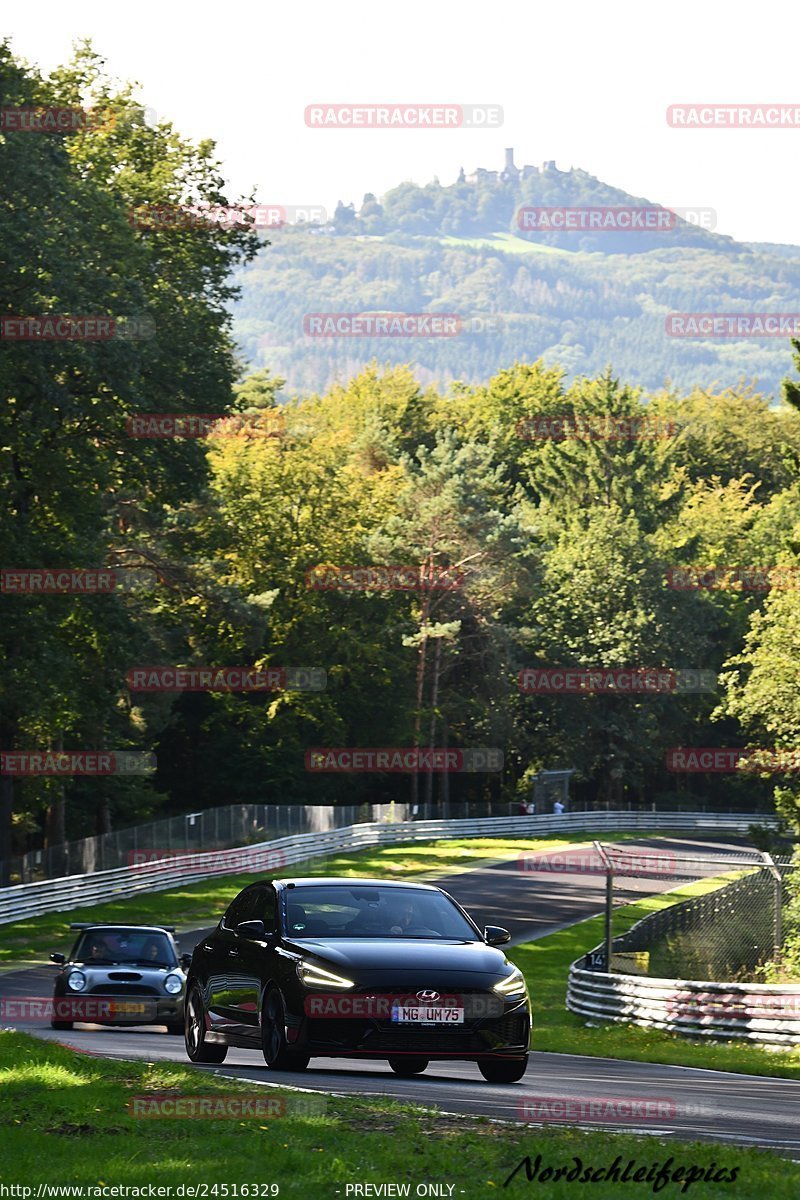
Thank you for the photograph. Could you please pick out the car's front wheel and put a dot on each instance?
(277, 1053)
(408, 1066)
(198, 1049)
(503, 1070)
(61, 1024)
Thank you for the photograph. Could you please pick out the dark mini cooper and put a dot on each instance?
(309, 968)
(121, 975)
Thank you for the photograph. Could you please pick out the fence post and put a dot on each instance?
(778, 889)
(609, 901)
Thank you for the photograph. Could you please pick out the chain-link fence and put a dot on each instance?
(217, 829)
(723, 935)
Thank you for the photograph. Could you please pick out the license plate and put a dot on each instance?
(427, 1014)
(128, 1008)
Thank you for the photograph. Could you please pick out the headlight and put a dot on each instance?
(173, 984)
(76, 981)
(313, 976)
(512, 985)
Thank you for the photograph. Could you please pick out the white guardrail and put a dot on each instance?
(757, 1012)
(78, 891)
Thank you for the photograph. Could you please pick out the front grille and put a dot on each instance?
(123, 989)
(424, 1041)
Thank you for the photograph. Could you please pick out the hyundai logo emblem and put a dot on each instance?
(428, 996)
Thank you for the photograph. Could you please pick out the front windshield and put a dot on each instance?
(105, 946)
(373, 912)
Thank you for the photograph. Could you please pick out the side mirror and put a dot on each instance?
(58, 958)
(252, 929)
(186, 961)
(495, 935)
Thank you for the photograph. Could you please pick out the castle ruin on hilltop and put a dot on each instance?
(510, 173)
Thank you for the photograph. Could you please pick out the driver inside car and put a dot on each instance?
(403, 918)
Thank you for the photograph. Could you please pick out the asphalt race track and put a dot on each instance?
(744, 1109)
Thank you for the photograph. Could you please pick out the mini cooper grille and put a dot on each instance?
(124, 989)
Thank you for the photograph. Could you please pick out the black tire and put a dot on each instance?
(197, 1048)
(176, 1028)
(277, 1054)
(409, 1065)
(61, 1024)
(503, 1070)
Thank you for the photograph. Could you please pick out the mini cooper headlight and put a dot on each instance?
(313, 976)
(173, 984)
(512, 985)
(76, 981)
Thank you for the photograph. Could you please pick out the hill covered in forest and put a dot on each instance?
(582, 298)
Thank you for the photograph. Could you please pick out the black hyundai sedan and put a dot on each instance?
(310, 968)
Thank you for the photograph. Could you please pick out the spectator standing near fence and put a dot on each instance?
(558, 808)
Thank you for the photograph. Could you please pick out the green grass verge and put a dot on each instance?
(202, 903)
(65, 1120)
(546, 963)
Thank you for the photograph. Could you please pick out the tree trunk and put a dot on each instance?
(420, 693)
(437, 666)
(55, 829)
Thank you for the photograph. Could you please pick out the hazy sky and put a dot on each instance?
(583, 83)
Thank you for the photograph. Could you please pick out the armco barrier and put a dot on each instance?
(76, 891)
(756, 1012)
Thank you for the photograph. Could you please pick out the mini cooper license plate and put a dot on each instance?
(427, 1014)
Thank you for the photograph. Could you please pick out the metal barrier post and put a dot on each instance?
(609, 901)
(778, 888)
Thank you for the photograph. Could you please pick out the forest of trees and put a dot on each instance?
(563, 545)
(576, 300)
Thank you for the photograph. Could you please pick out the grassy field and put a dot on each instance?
(203, 903)
(511, 244)
(65, 1120)
(545, 964)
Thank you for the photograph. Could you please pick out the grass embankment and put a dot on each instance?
(65, 1120)
(546, 963)
(199, 904)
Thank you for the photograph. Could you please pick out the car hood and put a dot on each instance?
(121, 973)
(368, 956)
